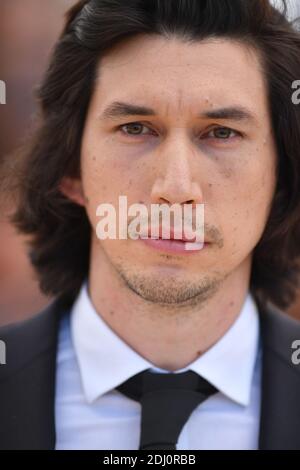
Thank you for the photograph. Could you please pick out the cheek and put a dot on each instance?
(109, 172)
(103, 182)
(242, 200)
(258, 186)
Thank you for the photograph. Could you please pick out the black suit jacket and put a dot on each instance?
(27, 382)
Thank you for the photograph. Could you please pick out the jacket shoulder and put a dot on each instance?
(280, 404)
(280, 332)
(28, 339)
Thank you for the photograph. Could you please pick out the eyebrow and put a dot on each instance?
(119, 109)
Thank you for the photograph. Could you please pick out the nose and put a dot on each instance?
(175, 180)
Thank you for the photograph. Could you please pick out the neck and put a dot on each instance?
(168, 337)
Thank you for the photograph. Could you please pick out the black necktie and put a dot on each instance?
(167, 400)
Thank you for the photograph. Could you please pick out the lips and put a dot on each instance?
(173, 246)
(174, 241)
(177, 236)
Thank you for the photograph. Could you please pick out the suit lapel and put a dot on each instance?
(280, 405)
(27, 383)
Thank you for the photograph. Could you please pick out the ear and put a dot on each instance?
(72, 189)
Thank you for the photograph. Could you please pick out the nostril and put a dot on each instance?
(164, 201)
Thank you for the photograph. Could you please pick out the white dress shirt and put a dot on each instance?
(92, 360)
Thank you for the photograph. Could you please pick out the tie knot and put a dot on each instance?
(167, 400)
(144, 382)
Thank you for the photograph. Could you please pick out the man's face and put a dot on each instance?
(209, 140)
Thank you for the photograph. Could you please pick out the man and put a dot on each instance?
(149, 345)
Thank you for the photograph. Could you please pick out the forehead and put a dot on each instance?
(171, 72)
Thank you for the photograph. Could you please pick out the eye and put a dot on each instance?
(222, 133)
(135, 129)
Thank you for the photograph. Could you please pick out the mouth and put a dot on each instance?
(175, 243)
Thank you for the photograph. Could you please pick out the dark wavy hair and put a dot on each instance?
(59, 229)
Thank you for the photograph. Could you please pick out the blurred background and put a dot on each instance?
(28, 31)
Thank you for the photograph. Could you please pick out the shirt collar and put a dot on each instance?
(105, 360)
(229, 364)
